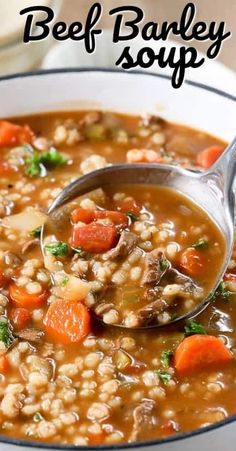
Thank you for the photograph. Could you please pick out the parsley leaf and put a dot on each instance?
(57, 249)
(220, 291)
(5, 332)
(37, 162)
(33, 165)
(193, 328)
(52, 158)
(65, 281)
(164, 376)
(37, 417)
(131, 216)
(164, 264)
(200, 244)
(165, 358)
(79, 250)
(36, 232)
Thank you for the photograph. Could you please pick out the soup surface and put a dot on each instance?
(132, 255)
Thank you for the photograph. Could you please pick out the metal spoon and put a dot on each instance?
(212, 191)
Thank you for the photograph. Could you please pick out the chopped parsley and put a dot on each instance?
(79, 250)
(220, 291)
(36, 232)
(164, 376)
(193, 327)
(38, 162)
(65, 281)
(131, 216)
(5, 332)
(200, 244)
(57, 249)
(37, 417)
(165, 358)
(164, 264)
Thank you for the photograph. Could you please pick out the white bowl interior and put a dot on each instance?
(122, 92)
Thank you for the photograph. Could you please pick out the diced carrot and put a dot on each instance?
(97, 439)
(94, 238)
(129, 205)
(170, 427)
(12, 134)
(20, 317)
(82, 215)
(7, 169)
(193, 261)
(208, 156)
(21, 298)
(87, 216)
(67, 322)
(199, 352)
(4, 364)
(116, 217)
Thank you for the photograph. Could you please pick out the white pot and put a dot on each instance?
(195, 105)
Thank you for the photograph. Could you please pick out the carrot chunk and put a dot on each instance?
(97, 439)
(12, 134)
(129, 205)
(199, 352)
(82, 215)
(116, 217)
(20, 317)
(192, 261)
(21, 298)
(94, 238)
(4, 364)
(87, 216)
(67, 322)
(208, 156)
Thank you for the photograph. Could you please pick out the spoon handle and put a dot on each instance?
(223, 173)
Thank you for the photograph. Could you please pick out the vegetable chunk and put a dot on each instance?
(94, 238)
(199, 352)
(67, 322)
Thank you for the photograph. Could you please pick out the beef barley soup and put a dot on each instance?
(134, 256)
(156, 254)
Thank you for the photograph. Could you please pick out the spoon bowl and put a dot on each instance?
(212, 191)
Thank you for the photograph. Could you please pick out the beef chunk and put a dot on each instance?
(156, 266)
(126, 244)
(143, 417)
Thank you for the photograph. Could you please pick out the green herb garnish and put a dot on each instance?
(131, 216)
(78, 250)
(37, 417)
(65, 281)
(38, 162)
(5, 332)
(200, 244)
(164, 264)
(58, 249)
(193, 327)
(165, 358)
(36, 232)
(220, 291)
(164, 376)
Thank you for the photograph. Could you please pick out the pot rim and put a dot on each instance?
(146, 443)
